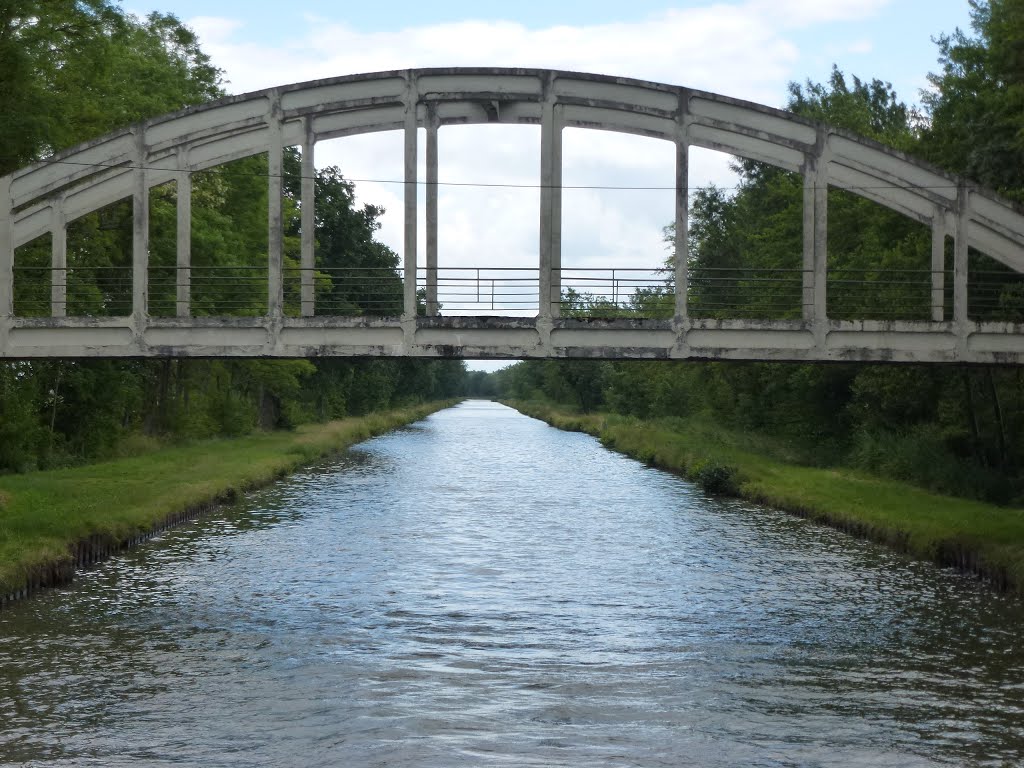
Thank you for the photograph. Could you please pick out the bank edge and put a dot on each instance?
(974, 537)
(55, 522)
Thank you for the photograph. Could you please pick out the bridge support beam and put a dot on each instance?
(308, 257)
(58, 259)
(550, 209)
(183, 273)
(6, 259)
(938, 266)
(815, 260)
(140, 236)
(432, 171)
(960, 308)
(681, 247)
(411, 201)
(275, 212)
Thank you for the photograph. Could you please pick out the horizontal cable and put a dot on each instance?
(500, 185)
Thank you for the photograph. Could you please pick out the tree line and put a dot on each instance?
(953, 429)
(71, 70)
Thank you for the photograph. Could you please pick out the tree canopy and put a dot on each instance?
(71, 70)
(952, 429)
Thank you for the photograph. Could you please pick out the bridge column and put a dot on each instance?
(140, 236)
(275, 212)
(411, 201)
(960, 308)
(308, 257)
(815, 260)
(6, 258)
(550, 210)
(183, 273)
(58, 259)
(938, 265)
(432, 163)
(681, 244)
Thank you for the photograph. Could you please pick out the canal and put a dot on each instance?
(480, 589)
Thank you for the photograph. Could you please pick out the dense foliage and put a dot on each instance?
(71, 70)
(952, 429)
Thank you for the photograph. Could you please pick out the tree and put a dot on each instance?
(976, 107)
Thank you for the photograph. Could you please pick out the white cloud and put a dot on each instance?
(805, 13)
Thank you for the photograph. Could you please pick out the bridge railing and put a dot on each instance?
(198, 291)
(511, 291)
(885, 294)
(79, 291)
(996, 294)
(744, 292)
(344, 291)
(616, 292)
(610, 292)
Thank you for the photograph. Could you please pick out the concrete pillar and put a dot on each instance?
(681, 245)
(58, 259)
(140, 234)
(411, 179)
(432, 169)
(6, 254)
(938, 265)
(960, 309)
(275, 213)
(807, 297)
(821, 242)
(183, 273)
(308, 258)
(550, 209)
(815, 230)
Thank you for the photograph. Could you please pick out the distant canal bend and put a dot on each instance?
(481, 589)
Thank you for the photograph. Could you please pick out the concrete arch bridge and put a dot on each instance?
(41, 200)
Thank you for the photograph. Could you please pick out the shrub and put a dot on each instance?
(717, 479)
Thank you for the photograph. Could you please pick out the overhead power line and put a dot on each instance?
(474, 184)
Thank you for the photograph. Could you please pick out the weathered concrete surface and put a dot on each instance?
(45, 197)
(519, 338)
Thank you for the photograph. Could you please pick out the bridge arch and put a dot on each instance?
(128, 163)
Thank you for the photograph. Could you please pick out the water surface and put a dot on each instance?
(481, 589)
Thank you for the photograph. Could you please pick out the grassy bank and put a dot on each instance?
(51, 521)
(976, 537)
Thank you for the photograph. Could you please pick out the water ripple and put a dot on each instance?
(484, 590)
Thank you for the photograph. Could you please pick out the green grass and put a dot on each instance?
(974, 536)
(44, 515)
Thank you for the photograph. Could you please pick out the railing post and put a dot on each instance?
(308, 257)
(681, 247)
(275, 211)
(6, 261)
(140, 234)
(58, 259)
(432, 220)
(960, 266)
(183, 273)
(938, 265)
(411, 200)
(550, 209)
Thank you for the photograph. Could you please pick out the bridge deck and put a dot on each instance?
(517, 338)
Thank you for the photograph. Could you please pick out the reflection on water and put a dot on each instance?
(481, 589)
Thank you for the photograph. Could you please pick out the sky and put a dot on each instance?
(750, 49)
